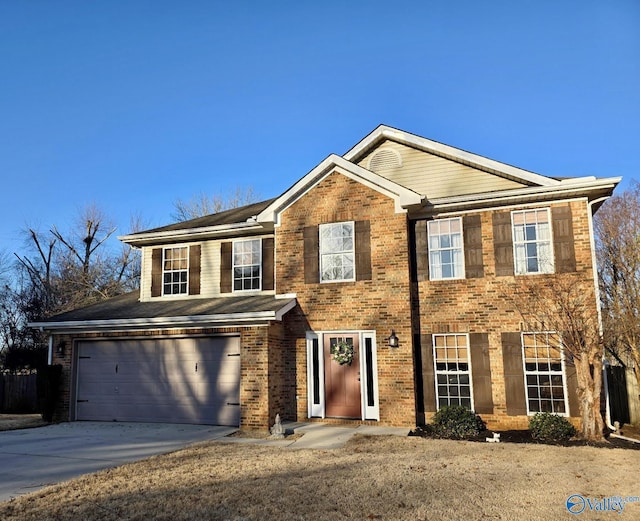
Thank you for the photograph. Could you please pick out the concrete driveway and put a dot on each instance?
(34, 458)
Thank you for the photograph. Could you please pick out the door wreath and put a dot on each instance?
(342, 352)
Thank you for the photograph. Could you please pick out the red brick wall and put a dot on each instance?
(379, 304)
(482, 306)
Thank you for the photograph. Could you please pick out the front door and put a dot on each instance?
(342, 380)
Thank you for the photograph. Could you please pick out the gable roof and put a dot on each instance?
(402, 196)
(126, 312)
(383, 133)
(260, 217)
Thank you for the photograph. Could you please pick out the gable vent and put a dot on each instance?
(384, 159)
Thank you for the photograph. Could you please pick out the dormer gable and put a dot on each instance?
(402, 196)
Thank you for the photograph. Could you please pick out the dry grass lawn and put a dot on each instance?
(387, 478)
(9, 422)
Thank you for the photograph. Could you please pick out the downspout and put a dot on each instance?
(50, 350)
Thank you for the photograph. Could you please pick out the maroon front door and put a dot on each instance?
(342, 381)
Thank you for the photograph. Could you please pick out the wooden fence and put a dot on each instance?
(18, 393)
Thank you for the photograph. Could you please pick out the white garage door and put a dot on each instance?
(180, 380)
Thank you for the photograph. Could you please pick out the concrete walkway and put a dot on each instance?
(31, 459)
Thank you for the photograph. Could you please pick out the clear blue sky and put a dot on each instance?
(132, 104)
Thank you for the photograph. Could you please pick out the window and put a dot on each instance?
(247, 261)
(446, 258)
(175, 270)
(543, 373)
(337, 252)
(532, 241)
(453, 370)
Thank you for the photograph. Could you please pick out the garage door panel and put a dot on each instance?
(190, 380)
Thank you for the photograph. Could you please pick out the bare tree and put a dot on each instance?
(76, 268)
(40, 268)
(617, 227)
(203, 204)
(566, 306)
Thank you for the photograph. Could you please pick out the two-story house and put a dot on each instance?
(369, 291)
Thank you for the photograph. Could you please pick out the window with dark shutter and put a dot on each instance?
(513, 374)
(363, 250)
(473, 262)
(311, 255)
(563, 241)
(156, 272)
(226, 266)
(267, 264)
(481, 373)
(503, 243)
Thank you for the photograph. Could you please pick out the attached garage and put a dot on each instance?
(174, 380)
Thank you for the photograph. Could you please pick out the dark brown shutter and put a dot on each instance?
(572, 385)
(194, 269)
(267, 263)
(513, 374)
(363, 250)
(226, 267)
(481, 369)
(422, 250)
(156, 272)
(503, 243)
(473, 263)
(428, 374)
(563, 243)
(311, 255)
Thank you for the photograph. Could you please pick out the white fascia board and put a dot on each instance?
(402, 196)
(154, 323)
(384, 132)
(190, 234)
(285, 309)
(567, 188)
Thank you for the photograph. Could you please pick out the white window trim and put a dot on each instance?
(563, 372)
(436, 371)
(318, 410)
(462, 266)
(315, 410)
(369, 412)
(552, 259)
(233, 265)
(320, 270)
(164, 249)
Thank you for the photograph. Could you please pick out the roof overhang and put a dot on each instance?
(402, 196)
(383, 133)
(589, 188)
(193, 234)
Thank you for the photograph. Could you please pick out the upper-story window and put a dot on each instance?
(446, 255)
(533, 249)
(337, 247)
(175, 271)
(544, 375)
(247, 263)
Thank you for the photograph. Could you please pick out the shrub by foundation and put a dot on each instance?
(545, 426)
(457, 422)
